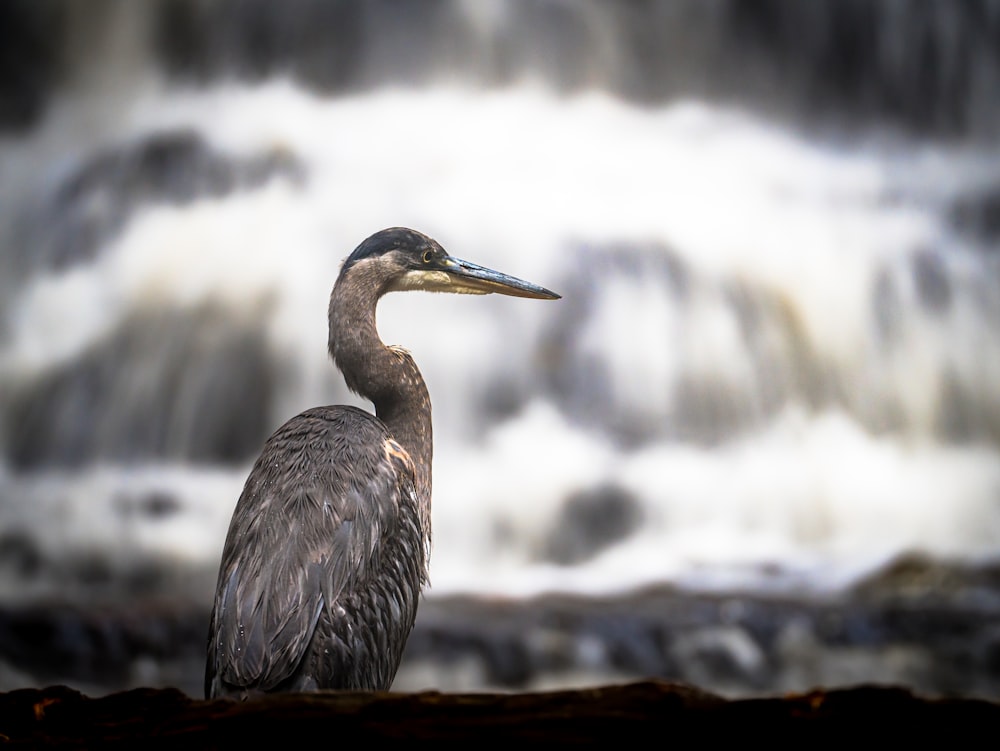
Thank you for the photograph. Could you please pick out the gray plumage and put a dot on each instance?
(329, 544)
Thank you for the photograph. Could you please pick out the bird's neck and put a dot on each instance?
(387, 376)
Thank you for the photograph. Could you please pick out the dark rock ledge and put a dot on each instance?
(145, 718)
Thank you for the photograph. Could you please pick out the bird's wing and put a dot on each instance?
(315, 534)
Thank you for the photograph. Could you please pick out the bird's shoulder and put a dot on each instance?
(338, 438)
(340, 421)
(340, 459)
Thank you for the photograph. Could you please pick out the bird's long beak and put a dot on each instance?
(468, 278)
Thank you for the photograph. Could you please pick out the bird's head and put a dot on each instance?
(398, 259)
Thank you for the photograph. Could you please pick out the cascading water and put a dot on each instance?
(775, 367)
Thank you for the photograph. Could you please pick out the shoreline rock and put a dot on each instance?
(61, 717)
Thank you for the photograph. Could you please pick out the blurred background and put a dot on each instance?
(755, 447)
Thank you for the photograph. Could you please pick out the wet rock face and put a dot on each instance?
(592, 521)
(850, 53)
(96, 198)
(205, 396)
(977, 215)
(31, 38)
(165, 384)
(929, 67)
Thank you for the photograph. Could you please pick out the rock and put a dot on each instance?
(60, 717)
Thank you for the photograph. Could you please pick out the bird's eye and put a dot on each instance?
(428, 255)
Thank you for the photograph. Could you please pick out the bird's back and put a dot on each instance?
(324, 561)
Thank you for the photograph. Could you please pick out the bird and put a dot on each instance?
(328, 549)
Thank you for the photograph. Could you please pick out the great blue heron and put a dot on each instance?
(328, 547)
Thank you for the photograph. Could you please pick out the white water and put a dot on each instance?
(797, 495)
